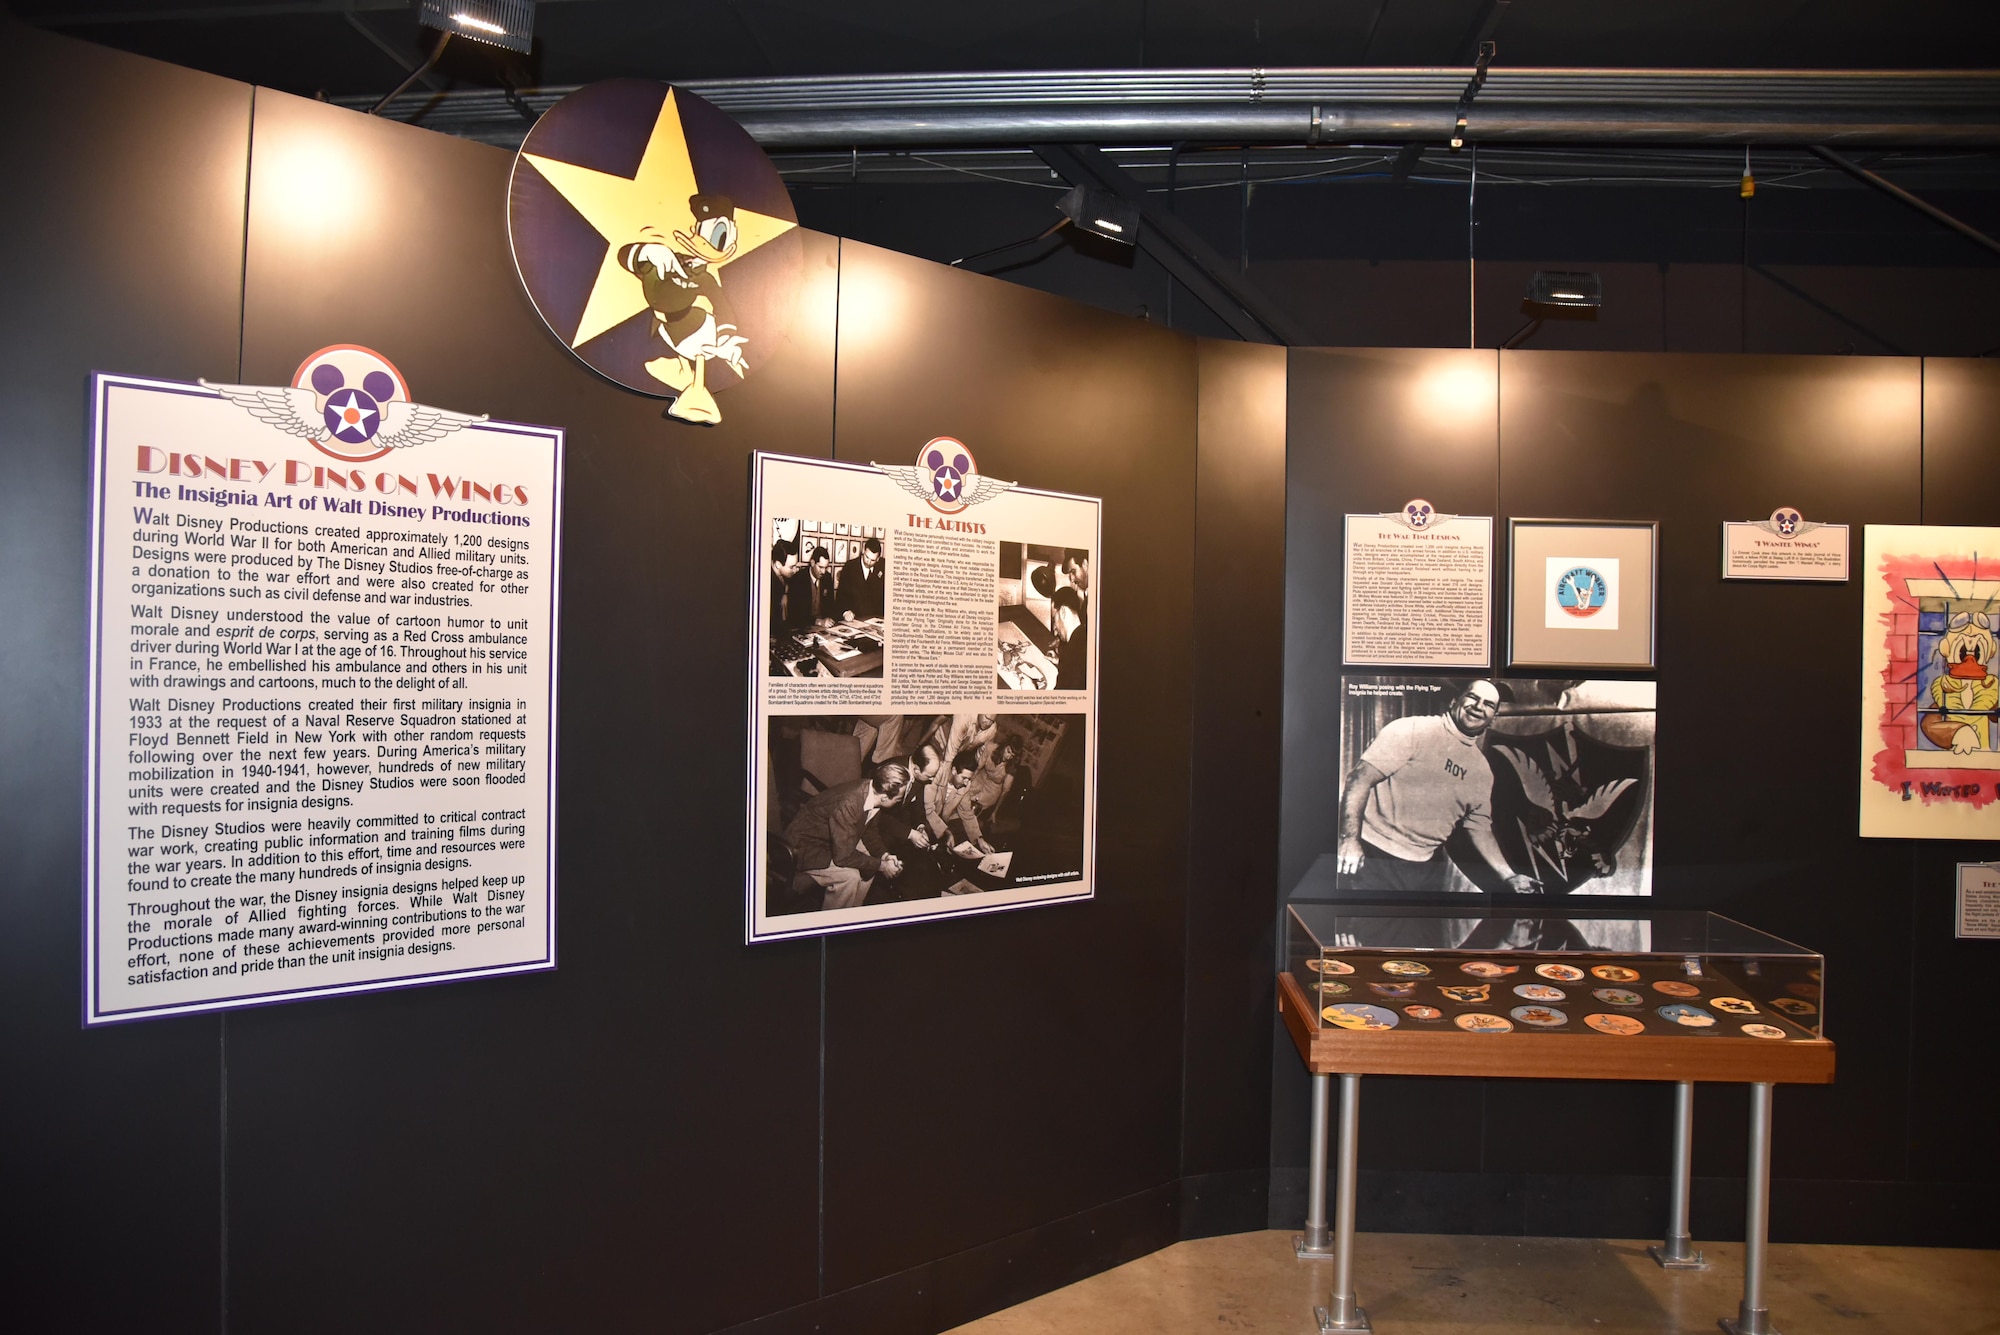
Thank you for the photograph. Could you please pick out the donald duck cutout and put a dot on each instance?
(683, 286)
(636, 291)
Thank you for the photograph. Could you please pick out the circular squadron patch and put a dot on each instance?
(1582, 592)
(1624, 1025)
(1478, 1022)
(1357, 1015)
(1694, 1017)
(1542, 1017)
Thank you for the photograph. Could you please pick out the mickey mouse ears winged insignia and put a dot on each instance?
(348, 402)
(1419, 515)
(1787, 522)
(945, 477)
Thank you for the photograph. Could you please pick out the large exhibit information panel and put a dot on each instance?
(323, 676)
(923, 721)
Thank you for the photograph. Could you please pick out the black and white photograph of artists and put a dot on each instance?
(867, 810)
(1043, 628)
(1516, 787)
(826, 583)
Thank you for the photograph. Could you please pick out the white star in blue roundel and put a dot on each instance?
(352, 416)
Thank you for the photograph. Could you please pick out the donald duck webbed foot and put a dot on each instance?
(695, 404)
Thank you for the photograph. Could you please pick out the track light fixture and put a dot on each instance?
(1101, 213)
(1562, 294)
(1568, 289)
(504, 23)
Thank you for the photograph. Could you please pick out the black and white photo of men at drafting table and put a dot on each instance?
(1043, 632)
(874, 809)
(826, 589)
(1454, 784)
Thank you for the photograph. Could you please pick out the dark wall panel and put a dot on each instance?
(989, 1074)
(1759, 830)
(1961, 439)
(1367, 430)
(1239, 702)
(108, 1140)
(628, 1143)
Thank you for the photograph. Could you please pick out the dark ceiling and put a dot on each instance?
(356, 47)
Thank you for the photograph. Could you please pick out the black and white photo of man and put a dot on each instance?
(1423, 778)
(837, 843)
(812, 589)
(1073, 640)
(784, 567)
(861, 583)
(1076, 569)
(1458, 785)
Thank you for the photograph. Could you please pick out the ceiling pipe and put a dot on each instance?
(1312, 106)
(1894, 191)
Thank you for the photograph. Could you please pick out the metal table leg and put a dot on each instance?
(1316, 1243)
(1344, 1312)
(1677, 1252)
(1753, 1316)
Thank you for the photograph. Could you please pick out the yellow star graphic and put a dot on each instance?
(651, 205)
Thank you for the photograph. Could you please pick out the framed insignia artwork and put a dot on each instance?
(1581, 593)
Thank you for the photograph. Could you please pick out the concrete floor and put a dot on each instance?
(1417, 1284)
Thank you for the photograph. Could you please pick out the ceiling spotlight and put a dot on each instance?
(1101, 213)
(1566, 288)
(1557, 294)
(504, 23)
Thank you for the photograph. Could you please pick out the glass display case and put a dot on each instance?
(1365, 968)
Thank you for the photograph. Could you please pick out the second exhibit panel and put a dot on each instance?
(923, 734)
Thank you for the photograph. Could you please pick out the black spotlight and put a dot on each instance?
(1101, 213)
(507, 23)
(1568, 289)
(1557, 294)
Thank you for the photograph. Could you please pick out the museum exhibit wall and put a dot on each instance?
(1756, 771)
(902, 1129)
(890, 1131)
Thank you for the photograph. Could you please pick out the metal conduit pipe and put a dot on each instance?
(1279, 123)
(1312, 106)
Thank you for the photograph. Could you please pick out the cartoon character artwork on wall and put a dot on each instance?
(656, 241)
(1930, 635)
(1958, 660)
